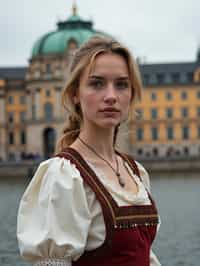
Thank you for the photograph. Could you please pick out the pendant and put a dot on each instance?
(121, 181)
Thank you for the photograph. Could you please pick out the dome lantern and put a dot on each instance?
(74, 9)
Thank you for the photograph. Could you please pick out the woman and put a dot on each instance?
(90, 204)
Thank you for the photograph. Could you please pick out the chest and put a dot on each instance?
(126, 175)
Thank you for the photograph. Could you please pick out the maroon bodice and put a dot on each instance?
(130, 230)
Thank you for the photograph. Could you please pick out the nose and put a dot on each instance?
(110, 94)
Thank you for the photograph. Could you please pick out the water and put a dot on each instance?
(178, 200)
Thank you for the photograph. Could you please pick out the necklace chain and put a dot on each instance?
(117, 173)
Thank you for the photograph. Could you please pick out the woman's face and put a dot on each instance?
(105, 92)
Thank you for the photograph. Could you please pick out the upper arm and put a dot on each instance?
(53, 217)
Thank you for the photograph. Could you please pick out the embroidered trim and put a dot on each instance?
(137, 216)
(52, 262)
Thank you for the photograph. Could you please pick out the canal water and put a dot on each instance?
(178, 200)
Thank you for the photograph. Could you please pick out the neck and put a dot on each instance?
(101, 141)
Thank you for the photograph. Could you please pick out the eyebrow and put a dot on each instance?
(95, 77)
(100, 77)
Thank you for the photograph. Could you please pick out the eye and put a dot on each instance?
(97, 84)
(121, 84)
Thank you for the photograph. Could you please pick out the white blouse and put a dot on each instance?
(59, 216)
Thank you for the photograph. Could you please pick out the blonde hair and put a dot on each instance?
(85, 56)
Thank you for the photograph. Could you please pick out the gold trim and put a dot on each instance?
(137, 216)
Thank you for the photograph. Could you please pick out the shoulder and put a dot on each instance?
(54, 171)
(58, 165)
(144, 175)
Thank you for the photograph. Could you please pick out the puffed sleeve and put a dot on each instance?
(144, 176)
(146, 181)
(53, 217)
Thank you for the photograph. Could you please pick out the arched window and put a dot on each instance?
(155, 151)
(49, 138)
(72, 44)
(140, 151)
(48, 111)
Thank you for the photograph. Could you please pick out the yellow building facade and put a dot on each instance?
(167, 120)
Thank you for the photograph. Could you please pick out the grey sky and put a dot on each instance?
(156, 29)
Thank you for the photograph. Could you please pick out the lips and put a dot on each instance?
(110, 109)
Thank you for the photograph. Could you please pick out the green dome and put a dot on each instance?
(57, 41)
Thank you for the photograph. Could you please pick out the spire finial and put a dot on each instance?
(74, 8)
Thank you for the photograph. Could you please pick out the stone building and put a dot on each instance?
(31, 117)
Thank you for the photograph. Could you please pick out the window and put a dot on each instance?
(184, 112)
(155, 151)
(175, 77)
(198, 94)
(37, 73)
(10, 99)
(72, 44)
(168, 95)
(198, 111)
(185, 132)
(153, 96)
(11, 138)
(139, 134)
(48, 111)
(48, 93)
(189, 76)
(140, 151)
(146, 78)
(33, 112)
(169, 112)
(160, 77)
(57, 72)
(23, 137)
(11, 117)
(22, 99)
(184, 95)
(48, 68)
(170, 133)
(154, 133)
(139, 113)
(186, 150)
(22, 116)
(154, 113)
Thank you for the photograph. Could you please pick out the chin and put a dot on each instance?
(108, 124)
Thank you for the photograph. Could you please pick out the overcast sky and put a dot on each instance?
(159, 30)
